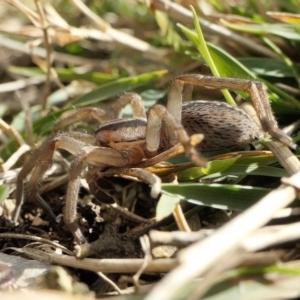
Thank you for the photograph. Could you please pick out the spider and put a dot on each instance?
(126, 146)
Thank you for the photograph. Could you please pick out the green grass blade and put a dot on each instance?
(286, 31)
(166, 205)
(65, 74)
(201, 46)
(215, 166)
(4, 192)
(234, 197)
(252, 169)
(117, 87)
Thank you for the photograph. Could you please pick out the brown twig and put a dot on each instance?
(104, 265)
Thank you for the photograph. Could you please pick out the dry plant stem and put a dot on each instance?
(30, 14)
(114, 286)
(230, 236)
(285, 156)
(180, 219)
(265, 237)
(143, 289)
(19, 84)
(12, 131)
(34, 238)
(291, 128)
(121, 37)
(231, 259)
(101, 23)
(42, 53)
(183, 15)
(15, 157)
(241, 260)
(9, 176)
(125, 265)
(265, 258)
(288, 89)
(128, 214)
(287, 212)
(272, 235)
(49, 58)
(145, 243)
(39, 21)
(261, 239)
(177, 238)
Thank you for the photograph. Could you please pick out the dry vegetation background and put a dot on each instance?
(235, 233)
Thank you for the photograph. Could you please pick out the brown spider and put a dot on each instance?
(125, 146)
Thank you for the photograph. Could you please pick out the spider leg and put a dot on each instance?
(72, 197)
(38, 164)
(94, 155)
(139, 173)
(187, 92)
(81, 114)
(257, 94)
(195, 139)
(33, 195)
(82, 136)
(136, 103)
(269, 124)
(156, 116)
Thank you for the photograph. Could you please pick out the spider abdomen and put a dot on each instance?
(224, 126)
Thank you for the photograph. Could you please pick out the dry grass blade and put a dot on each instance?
(110, 282)
(41, 52)
(180, 219)
(145, 243)
(19, 84)
(32, 16)
(58, 30)
(271, 235)
(183, 15)
(10, 130)
(285, 156)
(13, 159)
(122, 37)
